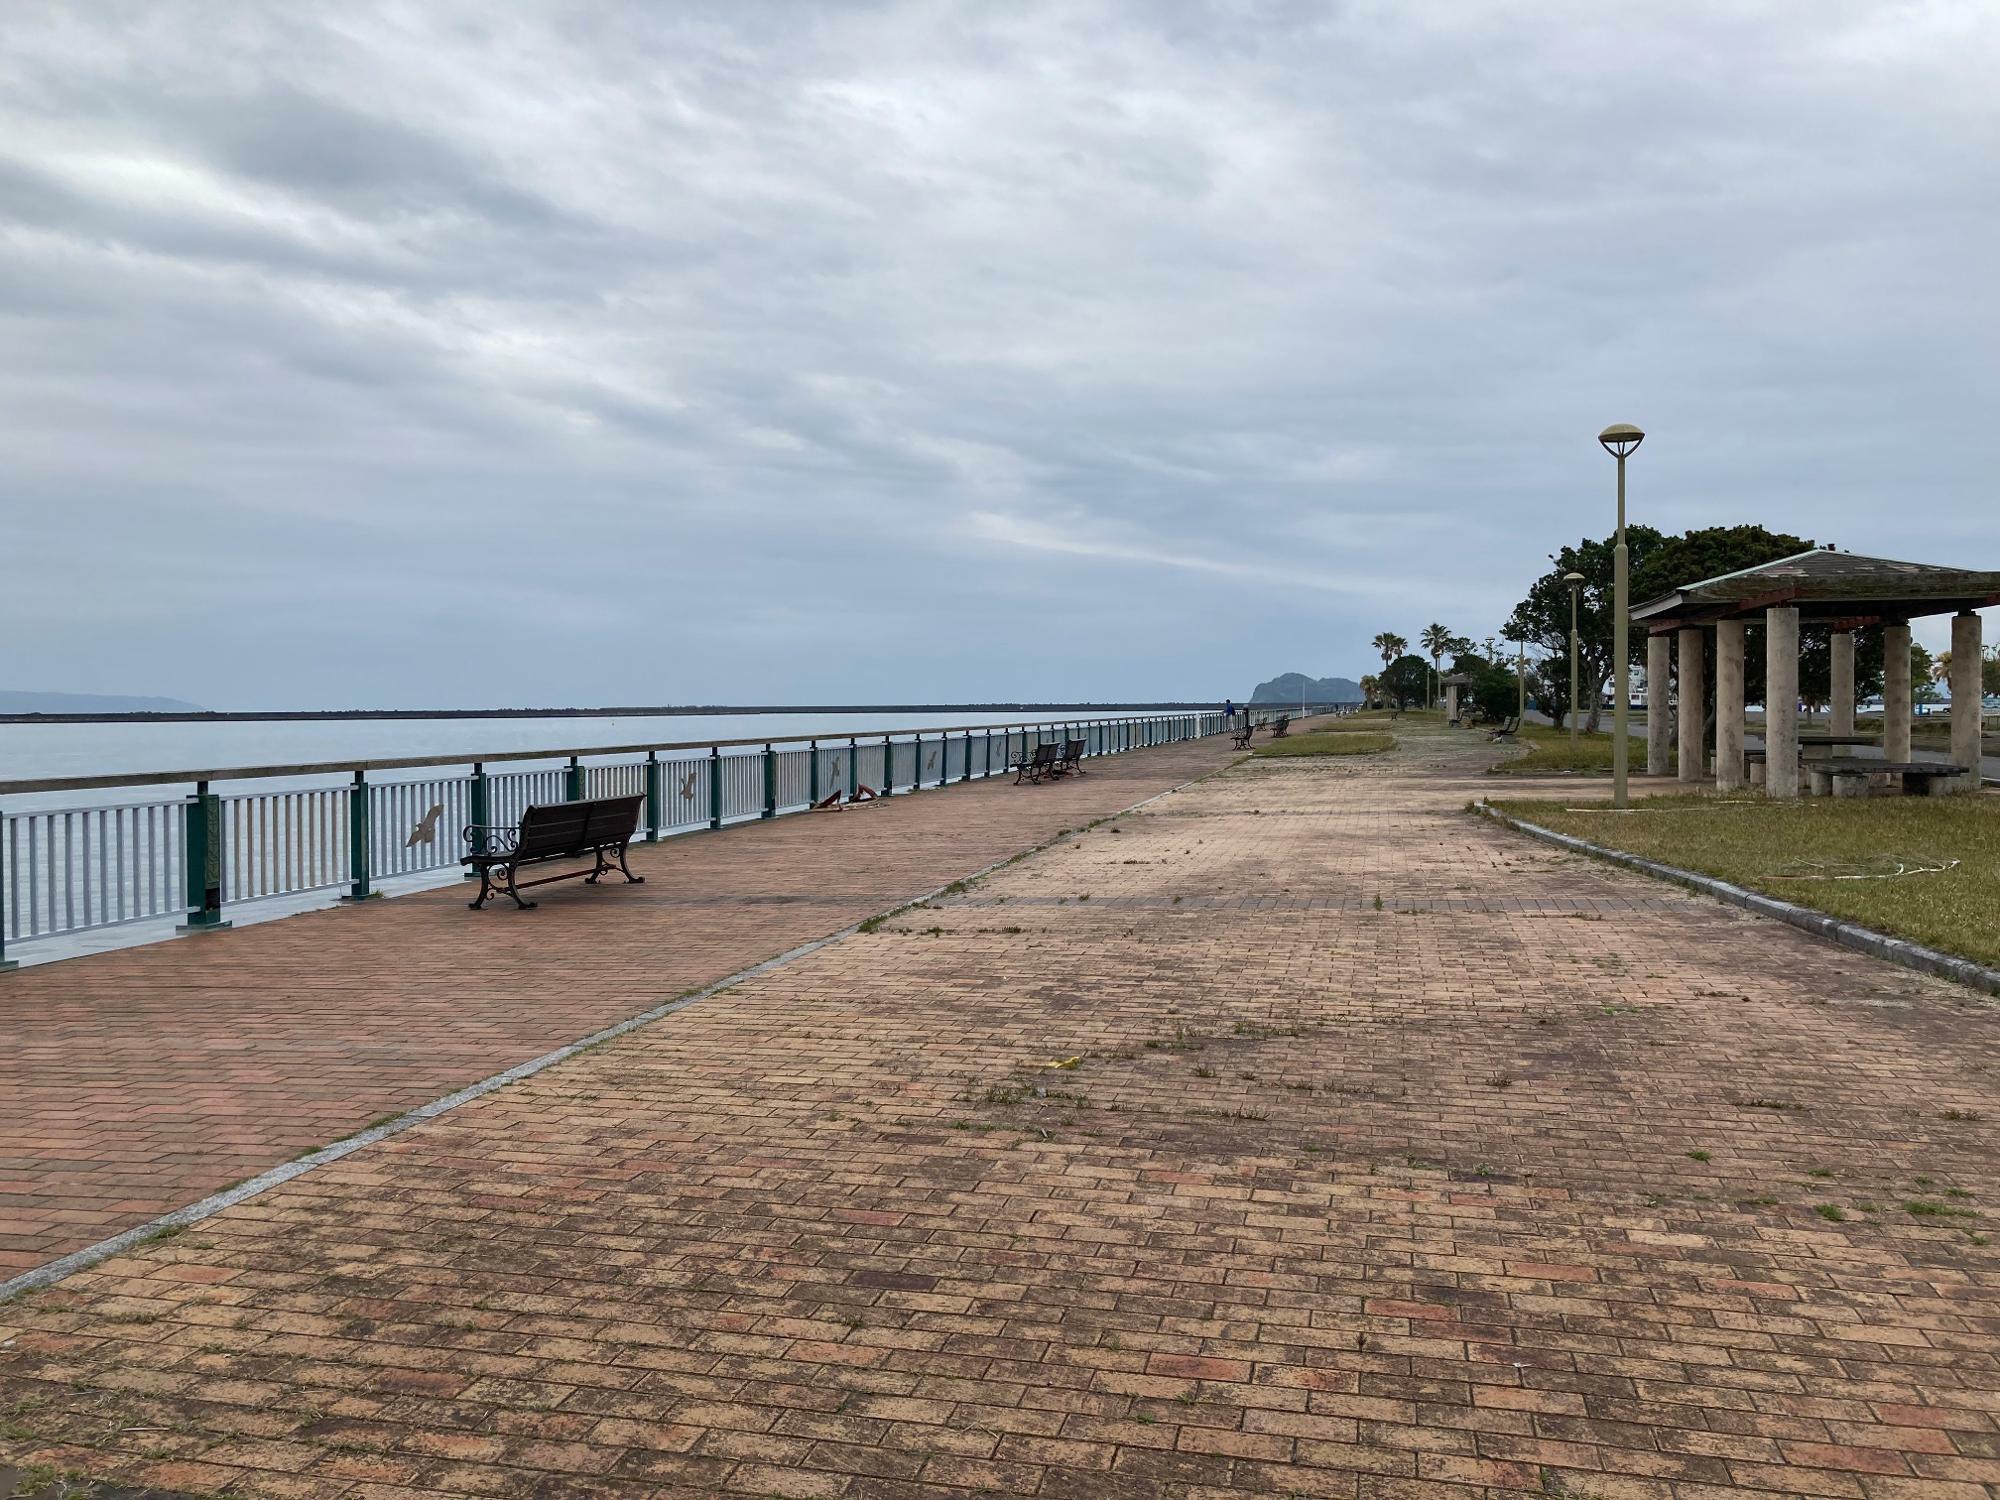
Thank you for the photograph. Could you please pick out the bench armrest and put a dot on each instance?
(490, 838)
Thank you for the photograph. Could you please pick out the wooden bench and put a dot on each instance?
(1034, 765)
(1071, 759)
(1847, 775)
(1508, 728)
(1241, 738)
(1281, 726)
(601, 827)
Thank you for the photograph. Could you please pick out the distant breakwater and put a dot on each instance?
(326, 715)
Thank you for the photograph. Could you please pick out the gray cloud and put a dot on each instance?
(949, 350)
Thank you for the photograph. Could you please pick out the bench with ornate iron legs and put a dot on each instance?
(601, 827)
(1070, 761)
(1036, 762)
(1281, 726)
(1241, 739)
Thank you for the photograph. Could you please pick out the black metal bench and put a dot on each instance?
(1241, 738)
(1919, 778)
(602, 828)
(1508, 728)
(1037, 763)
(1071, 759)
(1281, 726)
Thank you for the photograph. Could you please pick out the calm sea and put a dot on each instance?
(34, 751)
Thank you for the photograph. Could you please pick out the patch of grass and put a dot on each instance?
(1331, 742)
(1549, 750)
(1797, 850)
(1830, 1212)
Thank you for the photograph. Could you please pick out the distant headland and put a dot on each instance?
(1296, 687)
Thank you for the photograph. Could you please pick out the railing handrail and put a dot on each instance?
(394, 762)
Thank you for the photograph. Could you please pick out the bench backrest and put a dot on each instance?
(1072, 750)
(1046, 752)
(552, 829)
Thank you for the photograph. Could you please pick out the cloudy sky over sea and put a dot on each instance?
(411, 354)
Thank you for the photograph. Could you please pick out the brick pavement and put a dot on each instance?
(138, 1081)
(1164, 1163)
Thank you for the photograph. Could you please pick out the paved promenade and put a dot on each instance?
(1295, 1135)
(138, 1081)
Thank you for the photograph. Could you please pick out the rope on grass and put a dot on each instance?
(1875, 867)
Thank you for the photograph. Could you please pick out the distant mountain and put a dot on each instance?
(12, 702)
(1296, 687)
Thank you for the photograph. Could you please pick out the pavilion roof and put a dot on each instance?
(1826, 585)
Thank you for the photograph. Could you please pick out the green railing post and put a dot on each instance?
(917, 764)
(770, 783)
(714, 786)
(888, 766)
(655, 796)
(479, 803)
(202, 845)
(5, 962)
(812, 773)
(573, 783)
(853, 767)
(358, 859)
(968, 757)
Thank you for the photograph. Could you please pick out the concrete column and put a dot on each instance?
(1965, 698)
(1728, 705)
(1451, 703)
(1841, 696)
(1659, 723)
(1693, 692)
(1896, 692)
(1781, 701)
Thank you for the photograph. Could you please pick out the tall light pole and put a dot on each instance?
(1619, 440)
(1575, 582)
(1521, 673)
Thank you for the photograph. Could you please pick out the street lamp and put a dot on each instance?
(1575, 582)
(1619, 440)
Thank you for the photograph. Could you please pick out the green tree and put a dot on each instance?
(1494, 690)
(1542, 619)
(1405, 680)
(1989, 671)
(1923, 674)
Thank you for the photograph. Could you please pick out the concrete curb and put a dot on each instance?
(1880, 945)
(68, 1265)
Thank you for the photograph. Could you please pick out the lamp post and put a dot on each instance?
(1575, 582)
(1619, 440)
(1521, 675)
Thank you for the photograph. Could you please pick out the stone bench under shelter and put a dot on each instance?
(1822, 589)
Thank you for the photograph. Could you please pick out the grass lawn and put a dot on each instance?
(1548, 750)
(1837, 855)
(1328, 742)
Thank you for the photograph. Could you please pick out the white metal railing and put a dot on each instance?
(73, 869)
(281, 843)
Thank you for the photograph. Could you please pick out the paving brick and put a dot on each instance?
(1338, 1199)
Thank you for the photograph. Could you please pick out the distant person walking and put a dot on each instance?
(1228, 708)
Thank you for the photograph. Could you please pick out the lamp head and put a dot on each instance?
(1621, 438)
(1574, 580)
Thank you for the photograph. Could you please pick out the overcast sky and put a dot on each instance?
(399, 354)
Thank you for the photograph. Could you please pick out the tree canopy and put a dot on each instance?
(1406, 680)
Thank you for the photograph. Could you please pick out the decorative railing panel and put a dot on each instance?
(72, 869)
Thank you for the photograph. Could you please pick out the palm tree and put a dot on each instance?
(1390, 645)
(1436, 640)
(1369, 687)
(1941, 666)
